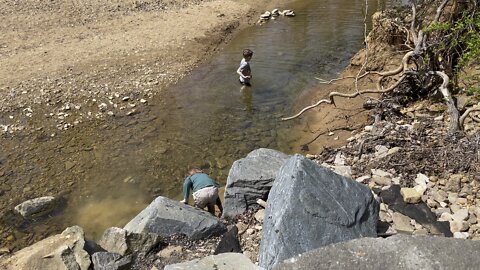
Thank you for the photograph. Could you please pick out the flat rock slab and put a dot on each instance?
(224, 261)
(167, 217)
(61, 251)
(251, 178)
(397, 252)
(420, 211)
(310, 206)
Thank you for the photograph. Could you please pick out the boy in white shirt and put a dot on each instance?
(244, 70)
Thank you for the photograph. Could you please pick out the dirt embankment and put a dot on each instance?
(71, 56)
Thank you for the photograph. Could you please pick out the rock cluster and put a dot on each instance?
(410, 155)
(310, 211)
(267, 15)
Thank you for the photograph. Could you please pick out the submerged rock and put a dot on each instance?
(36, 207)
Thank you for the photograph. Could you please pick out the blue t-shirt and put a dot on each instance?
(196, 182)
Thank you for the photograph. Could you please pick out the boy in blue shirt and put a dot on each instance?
(205, 191)
(244, 70)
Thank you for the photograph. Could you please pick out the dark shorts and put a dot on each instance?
(244, 83)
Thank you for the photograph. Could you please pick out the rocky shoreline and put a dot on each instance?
(403, 178)
(309, 206)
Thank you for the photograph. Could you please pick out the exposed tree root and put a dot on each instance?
(467, 113)
(452, 110)
(419, 39)
(338, 94)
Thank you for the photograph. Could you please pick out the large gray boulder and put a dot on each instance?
(397, 252)
(251, 178)
(167, 217)
(61, 251)
(310, 206)
(224, 261)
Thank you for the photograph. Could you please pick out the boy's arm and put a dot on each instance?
(187, 185)
(239, 72)
(240, 69)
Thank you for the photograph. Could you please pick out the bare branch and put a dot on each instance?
(337, 94)
(452, 110)
(366, 45)
(467, 113)
(439, 11)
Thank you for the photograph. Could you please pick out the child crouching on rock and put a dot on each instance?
(205, 191)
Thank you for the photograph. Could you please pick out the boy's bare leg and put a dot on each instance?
(218, 202)
(211, 209)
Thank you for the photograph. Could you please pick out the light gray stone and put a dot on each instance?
(459, 226)
(402, 222)
(396, 252)
(36, 207)
(440, 211)
(110, 261)
(223, 261)
(461, 235)
(460, 215)
(167, 217)
(121, 241)
(251, 178)
(260, 215)
(61, 251)
(334, 207)
(343, 170)
(421, 179)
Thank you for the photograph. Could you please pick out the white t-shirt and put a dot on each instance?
(245, 70)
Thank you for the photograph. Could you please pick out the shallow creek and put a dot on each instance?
(206, 120)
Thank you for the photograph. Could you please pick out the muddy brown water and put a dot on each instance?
(110, 172)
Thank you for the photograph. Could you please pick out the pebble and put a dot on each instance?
(459, 226)
(461, 235)
(260, 215)
(461, 214)
(402, 223)
(368, 128)
(242, 227)
(410, 195)
(4, 251)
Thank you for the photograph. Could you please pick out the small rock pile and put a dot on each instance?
(433, 171)
(267, 15)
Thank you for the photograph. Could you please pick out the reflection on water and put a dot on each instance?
(208, 120)
(247, 97)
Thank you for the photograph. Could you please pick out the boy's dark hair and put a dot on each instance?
(247, 53)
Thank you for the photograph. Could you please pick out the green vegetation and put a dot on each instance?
(456, 46)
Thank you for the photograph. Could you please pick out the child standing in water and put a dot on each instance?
(244, 70)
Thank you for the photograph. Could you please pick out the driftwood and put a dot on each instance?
(419, 40)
